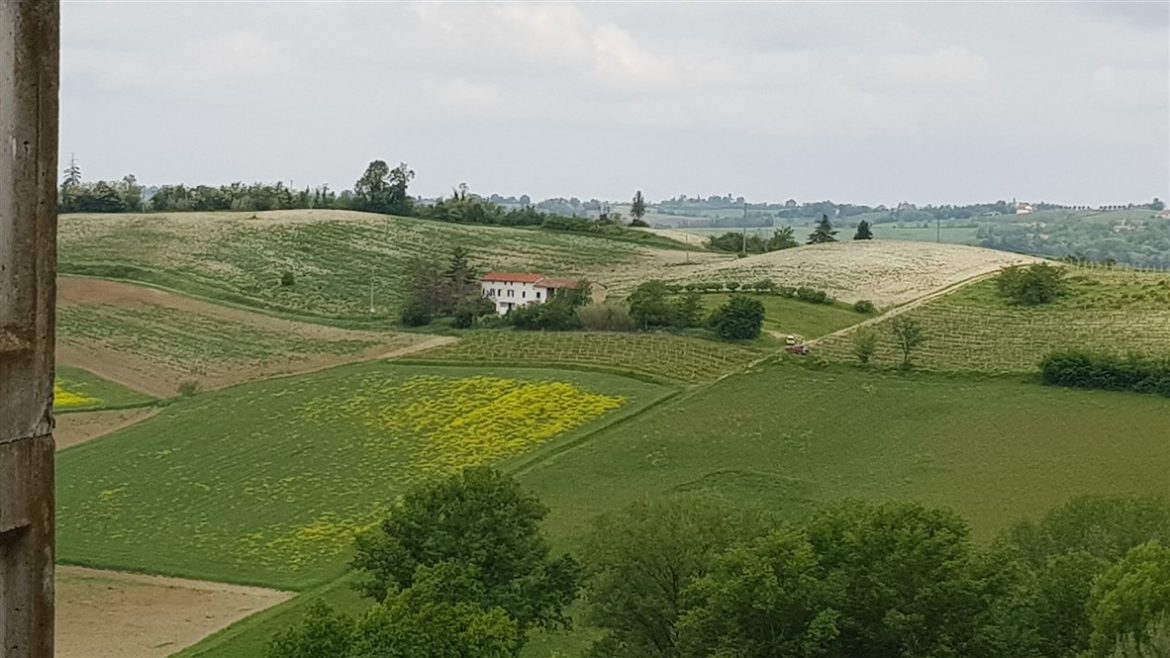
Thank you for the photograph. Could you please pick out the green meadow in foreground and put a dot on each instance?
(786, 438)
(267, 483)
(789, 316)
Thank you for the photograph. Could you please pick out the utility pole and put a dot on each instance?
(29, 89)
(371, 289)
(937, 229)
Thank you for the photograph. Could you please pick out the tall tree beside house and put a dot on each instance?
(863, 231)
(638, 209)
(823, 232)
(461, 274)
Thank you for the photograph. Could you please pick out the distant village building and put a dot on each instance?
(1165, 214)
(508, 291)
(1023, 208)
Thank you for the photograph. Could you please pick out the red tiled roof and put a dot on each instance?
(515, 278)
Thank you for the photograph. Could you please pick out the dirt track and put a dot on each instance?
(78, 427)
(107, 614)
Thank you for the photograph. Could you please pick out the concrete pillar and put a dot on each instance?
(29, 55)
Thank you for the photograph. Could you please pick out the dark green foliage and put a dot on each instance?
(1131, 596)
(639, 561)
(737, 241)
(470, 309)
(323, 634)
(288, 279)
(1103, 527)
(732, 285)
(414, 313)
(1032, 285)
(864, 306)
(605, 317)
(638, 223)
(782, 238)
(481, 521)
(189, 388)
(823, 232)
(382, 189)
(895, 580)
(652, 304)
(740, 318)
(812, 296)
(763, 285)
(557, 314)
(863, 231)
(1082, 369)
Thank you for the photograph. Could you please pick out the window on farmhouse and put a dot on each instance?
(538, 294)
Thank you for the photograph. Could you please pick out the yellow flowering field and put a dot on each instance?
(66, 399)
(269, 482)
(75, 390)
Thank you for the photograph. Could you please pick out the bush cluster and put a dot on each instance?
(1032, 285)
(864, 306)
(1082, 369)
(813, 296)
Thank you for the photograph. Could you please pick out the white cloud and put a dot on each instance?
(562, 98)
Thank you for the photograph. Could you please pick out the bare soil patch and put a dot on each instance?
(107, 614)
(77, 428)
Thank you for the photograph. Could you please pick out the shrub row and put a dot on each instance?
(1082, 369)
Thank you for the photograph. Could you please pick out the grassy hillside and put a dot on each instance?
(974, 329)
(789, 316)
(335, 256)
(267, 483)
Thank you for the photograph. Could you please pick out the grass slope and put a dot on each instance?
(658, 356)
(975, 329)
(81, 390)
(266, 483)
(335, 255)
(787, 437)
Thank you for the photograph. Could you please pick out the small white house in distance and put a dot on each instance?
(509, 291)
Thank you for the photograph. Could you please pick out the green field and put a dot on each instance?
(336, 256)
(81, 390)
(659, 356)
(266, 483)
(948, 234)
(974, 329)
(790, 316)
(786, 437)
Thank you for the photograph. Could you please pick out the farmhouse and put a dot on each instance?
(509, 291)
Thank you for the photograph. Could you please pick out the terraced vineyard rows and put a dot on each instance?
(975, 330)
(664, 356)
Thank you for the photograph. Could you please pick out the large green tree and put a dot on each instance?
(482, 520)
(739, 318)
(1131, 596)
(382, 189)
(639, 561)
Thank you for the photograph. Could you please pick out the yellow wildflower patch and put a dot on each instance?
(63, 398)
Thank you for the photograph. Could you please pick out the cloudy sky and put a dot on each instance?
(864, 102)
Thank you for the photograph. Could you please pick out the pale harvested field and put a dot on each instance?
(150, 340)
(76, 428)
(885, 272)
(106, 614)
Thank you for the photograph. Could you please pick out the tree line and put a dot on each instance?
(460, 568)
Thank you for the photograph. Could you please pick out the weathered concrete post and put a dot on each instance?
(29, 71)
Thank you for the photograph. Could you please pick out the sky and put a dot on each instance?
(927, 102)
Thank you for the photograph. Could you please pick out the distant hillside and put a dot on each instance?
(335, 256)
(885, 272)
